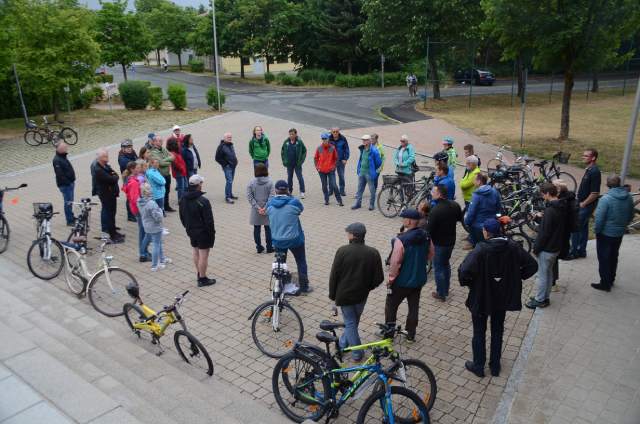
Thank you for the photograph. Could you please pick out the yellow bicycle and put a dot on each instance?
(142, 319)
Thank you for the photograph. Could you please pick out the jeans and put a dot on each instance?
(160, 202)
(67, 196)
(265, 162)
(452, 170)
(607, 248)
(340, 169)
(108, 215)
(298, 172)
(579, 238)
(130, 214)
(229, 174)
(167, 189)
(267, 236)
(398, 294)
(329, 179)
(476, 235)
(350, 337)
(301, 261)
(442, 269)
(478, 343)
(142, 247)
(545, 274)
(157, 255)
(362, 182)
(181, 186)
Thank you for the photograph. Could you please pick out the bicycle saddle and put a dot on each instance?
(327, 325)
(325, 337)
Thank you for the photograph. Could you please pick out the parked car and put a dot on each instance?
(478, 76)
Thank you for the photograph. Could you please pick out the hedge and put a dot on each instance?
(135, 94)
(108, 78)
(286, 79)
(155, 97)
(177, 94)
(317, 76)
(269, 77)
(196, 66)
(212, 97)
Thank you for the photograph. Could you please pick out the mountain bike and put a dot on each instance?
(44, 257)
(513, 231)
(5, 231)
(635, 221)
(144, 320)
(550, 171)
(396, 195)
(81, 221)
(275, 325)
(35, 135)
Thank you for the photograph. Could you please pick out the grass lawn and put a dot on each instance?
(601, 122)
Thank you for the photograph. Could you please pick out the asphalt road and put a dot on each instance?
(322, 107)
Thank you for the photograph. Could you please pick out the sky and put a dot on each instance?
(94, 4)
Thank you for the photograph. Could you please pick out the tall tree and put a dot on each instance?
(173, 25)
(154, 32)
(340, 31)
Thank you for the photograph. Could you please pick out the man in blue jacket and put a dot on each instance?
(485, 204)
(613, 213)
(369, 164)
(286, 230)
(342, 146)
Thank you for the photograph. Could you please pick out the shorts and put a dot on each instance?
(202, 241)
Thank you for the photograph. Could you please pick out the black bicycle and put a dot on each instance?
(5, 231)
(550, 171)
(80, 228)
(35, 135)
(397, 194)
(45, 255)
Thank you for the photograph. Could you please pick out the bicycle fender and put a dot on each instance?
(256, 309)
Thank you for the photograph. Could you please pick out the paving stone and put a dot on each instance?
(12, 343)
(15, 396)
(41, 412)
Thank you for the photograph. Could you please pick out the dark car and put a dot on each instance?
(478, 76)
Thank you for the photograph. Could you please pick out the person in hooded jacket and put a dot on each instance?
(125, 156)
(571, 224)
(226, 157)
(178, 167)
(156, 181)
(133, 189)
(368, 164)
(443, 178)
(293, 154)
(493, 271)
(191, 156)
(485, 204)
(164, 159)
(341, 144)
(326, 160)
(259, 147)
(259, 191)
(152, 216)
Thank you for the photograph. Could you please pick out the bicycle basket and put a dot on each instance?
(42, 210)
(562, 157)
(390, 180)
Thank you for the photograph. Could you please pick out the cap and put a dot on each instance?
(357, 229)
(366, 137)
(447, 140)
(325, 136)
(282, 185)
(175, 127)
(126, 143)
(410, 214)
(151, 136)
(196, 180)
(492, 226)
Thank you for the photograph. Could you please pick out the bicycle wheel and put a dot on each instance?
(522, 239)
(407, 407)
(191, 350)
(108, 298)
(68, 135)
(390, 201)
(45, 259)
(532, 208)
(275, 339)
(299, 388)
(418, 378)
(635, 222)
(73, 272)
(568, 179)
(493, 165)
(32, 138)
(5, 231)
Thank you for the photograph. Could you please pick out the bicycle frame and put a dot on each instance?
(82, 260)
(157, 323)
(44, 231)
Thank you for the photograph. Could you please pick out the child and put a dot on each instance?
(152, 218)
(156, 181)
(134, 180)
(178, 167)
(447, 144)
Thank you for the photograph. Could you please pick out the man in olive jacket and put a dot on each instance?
(356, 270)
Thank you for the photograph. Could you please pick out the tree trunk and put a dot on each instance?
(267, 59)
(180, 60)
(241, 67)
(158, 56)
(566, 104)
(595, 86)
(433, 69)
(56, 108)
(520, 75)
(349, 66)
(124, 71)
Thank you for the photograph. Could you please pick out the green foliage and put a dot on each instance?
(351, 81)
(155, 97)
(172, 25)
(177, 94)
(135, 94)
(285, 79)
(196, 66)
(97, 92)
(317, 76)
(145, 82)
(212, 97)
(269, 77)
(104, 78)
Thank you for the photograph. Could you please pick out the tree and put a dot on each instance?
(154, 32)
(173, 25)
(340, 31)
(121, 35)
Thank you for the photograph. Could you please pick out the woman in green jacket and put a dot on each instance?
(259, 147)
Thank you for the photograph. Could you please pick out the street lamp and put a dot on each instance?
(215, 52)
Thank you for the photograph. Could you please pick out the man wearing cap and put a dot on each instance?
(356, 270)
(408, 271)
(286, 230)
(126, 155)
(164, 159)
(176, 134)
(452, 155)
(65, 179)
(326, 160)
(368, 165)
(339, 141)
(493, 271)
(196, 216)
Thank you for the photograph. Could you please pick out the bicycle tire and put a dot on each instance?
(303, 372)
(568, 179)
(288, 342)
(427, 394)
(99, 292)
(417, 414)
(635, 221)
(129, 308)
(5, 233)
(68, 135)
(390, 201)
(522, 239)
(196, 349)
(76, 282)
(33, 138)
(55, 259)
(493, 165)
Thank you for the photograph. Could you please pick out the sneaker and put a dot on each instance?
(167, 261)
(154, 268)
(117, 240)
(234, 197)
(340, 204)
(533, 303)
(229, 201)
(302, 195)
(144, 259)
(326, 202)
(165, 232)
(371, 208)
(343, 194)
(436, 296)
(70, 224)
(161, 265)
(555, 288)
(306, 291)
(169, 209)
(410, 338)
(470, 366)
(601, 287)
(204, 281)
(354, 207)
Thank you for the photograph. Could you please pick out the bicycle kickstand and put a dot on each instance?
(160, 348)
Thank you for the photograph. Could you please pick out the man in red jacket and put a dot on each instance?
(325, 160)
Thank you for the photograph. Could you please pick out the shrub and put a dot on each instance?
(212, 97)
(343, 80)
(104, 78)
(155, 97)
(289, 80)
(86, 98)
(317, 76)
(146, 83)
(97, 92)
(269, 77)
(177, 94)
(196, 66)
(135, 94)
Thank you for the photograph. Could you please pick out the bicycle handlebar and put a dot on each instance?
(14, 188)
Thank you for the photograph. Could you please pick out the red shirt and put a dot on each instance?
(326, 158)
(178, 166)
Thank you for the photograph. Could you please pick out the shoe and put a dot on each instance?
(533, 303)
(165, 232)
(167, 261)
(234, 197)
(326, 203)
(371, 208)
(270, 249)
(132, 219)
(438, 297)
(354, 207)
(343, 194)
(302, 195)
(117, 240)
(260, 249)
(118, 228)
(70, 224)
(144, 259)
(555, 288)
(582, 255)
(470, 366)
(204, 281)
(410, 338)
(155, 268)
(570, 257)
(340, 204)
(601, 287)
(306, 291)
(229, 201)
(169, 209)
(495, 371)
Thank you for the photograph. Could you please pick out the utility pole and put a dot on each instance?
(382, 69)
(24, 109)
(215, 53)
(630, 135)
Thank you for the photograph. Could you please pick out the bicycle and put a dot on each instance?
(142, 319)
(396, 195)
(514, 232)
(35, 135)
(45, 251)
(106, 287)
(523, 207)
(81, 222)
(276, 319)
(635, 221)
(498, 161)
(551, 171)
(5, 230)
(313, 378)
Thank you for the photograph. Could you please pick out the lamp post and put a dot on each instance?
(215, 52)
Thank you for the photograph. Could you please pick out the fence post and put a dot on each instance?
(551, 88)
(513, 76)
(523, 107)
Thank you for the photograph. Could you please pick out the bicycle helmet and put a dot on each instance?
(133, 290)
(447, 140)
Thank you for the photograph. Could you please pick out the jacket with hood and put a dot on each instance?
(467, 183)
(156, 181)
(614, 212)
(196, 215)
(494, 271)
(260, 149)
(342, 146)
(405, 160)
(448, 182)
(125, 158)
(300, 152)
(570, 220)
(259, 191)
(191, 159)
(326, 158)
(485, 204)
(132, 190)
(552, 228)
(356, 270)
(164, 157)
(151, 215)
(408, 263)
(178, 167)
(226, 155)
(286, 229)
(374, 161)
(65, 175)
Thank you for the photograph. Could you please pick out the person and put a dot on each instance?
(259, 191)
(375, 142)
(493, 271)
(156, 181)
(286, 231)
(151, 216)
(571, 221)
(441, 227)
(178, 167)
(367, 169)
(548, 244)
(65, 179)
(614, 213)
(469, 151)
(408, 271)
(127, 155)
(588, 193)
(165, 65)
(452, 155)
(144, 153)
(226, 157)
(133, 189)
(467, 185)
(164, 159)
(356, 270)
(190, 155)
(259, 147)
(443, 178)
(196, 217)
(412, 84)
(341, 144)
(107, 190)
(293, 154)
(176, 134)
(326, 161)
(485, 204)
(404, 157)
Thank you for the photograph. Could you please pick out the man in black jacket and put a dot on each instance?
(493, 271)
(65, 179)
(108, 192)
(196, 216)
(356, 270)
(226, 157)
(548, 244)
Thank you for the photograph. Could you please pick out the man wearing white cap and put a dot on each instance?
(368, 165)
(176, 135)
